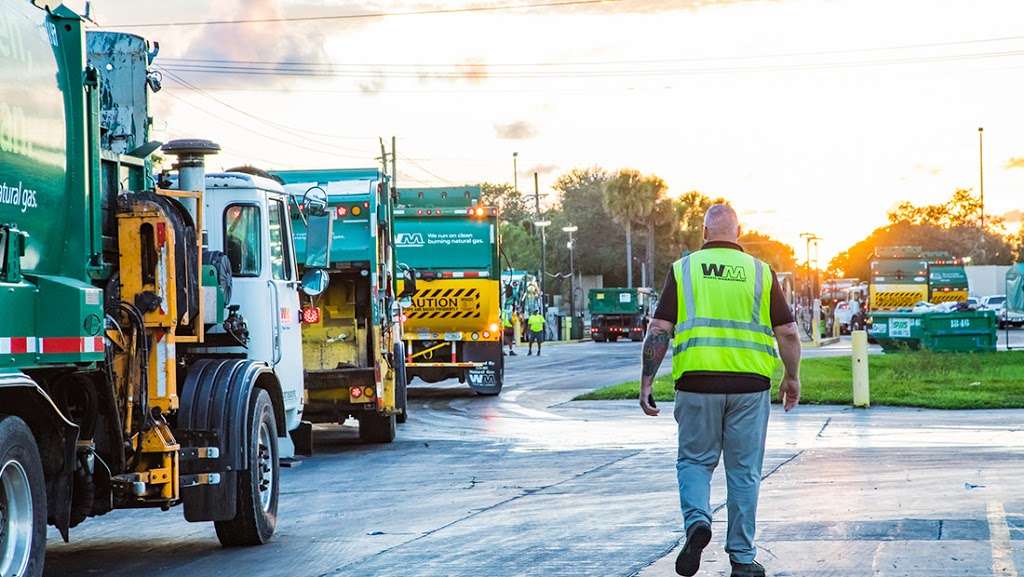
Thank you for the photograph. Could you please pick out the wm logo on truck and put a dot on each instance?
(724, 271)
(410, 239)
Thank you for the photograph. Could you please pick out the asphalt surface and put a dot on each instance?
(531, 483)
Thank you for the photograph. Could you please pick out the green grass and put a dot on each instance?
(910, 379)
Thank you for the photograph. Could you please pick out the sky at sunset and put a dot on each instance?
(807, 115)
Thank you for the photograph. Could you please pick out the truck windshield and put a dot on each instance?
(242, 239)
(907, 271)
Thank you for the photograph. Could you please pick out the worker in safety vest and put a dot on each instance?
(508, 332)
(536, 326)
(722, 312)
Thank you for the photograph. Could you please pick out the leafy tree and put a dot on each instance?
(579, 201)
(779, 255)
(952, 227)
(519, 249)
(652, 194)
(509, 201)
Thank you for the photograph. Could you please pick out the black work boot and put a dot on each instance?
(752, 569)
(697, 538)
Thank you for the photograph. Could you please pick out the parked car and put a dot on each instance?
(1006, 318)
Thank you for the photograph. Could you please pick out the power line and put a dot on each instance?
(420, 66)
(282, 127)
(612, 73)
(435, 11)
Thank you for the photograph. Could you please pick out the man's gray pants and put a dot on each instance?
(733, 426)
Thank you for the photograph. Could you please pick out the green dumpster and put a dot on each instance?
(957, 331)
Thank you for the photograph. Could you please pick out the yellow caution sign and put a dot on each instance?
(454, 309)
(894, 296)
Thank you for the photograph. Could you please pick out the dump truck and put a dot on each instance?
(452, 325)
(132, 376)
(353, 354)
(619, 312)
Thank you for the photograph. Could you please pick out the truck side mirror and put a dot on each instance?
(315, 281)
(315, 201)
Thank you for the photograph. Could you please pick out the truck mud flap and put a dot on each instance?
(214, 411)
(486, 378)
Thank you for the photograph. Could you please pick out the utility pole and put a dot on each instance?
(394, 170)
(543, 240)
(981, 174)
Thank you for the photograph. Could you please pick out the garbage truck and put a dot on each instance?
(353, 354)
(452, 325)
(129, 375)
(619, 312)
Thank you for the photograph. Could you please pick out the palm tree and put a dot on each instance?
(623, 201)
(653, 197)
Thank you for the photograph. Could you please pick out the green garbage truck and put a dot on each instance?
(619, 313)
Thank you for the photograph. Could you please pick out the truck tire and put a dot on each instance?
(375, 428)
(259, 485)
(401, 385)
(22, 501)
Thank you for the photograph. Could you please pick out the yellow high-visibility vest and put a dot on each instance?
(723, 323)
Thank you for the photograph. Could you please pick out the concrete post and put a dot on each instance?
(861, 387)
(566, 328)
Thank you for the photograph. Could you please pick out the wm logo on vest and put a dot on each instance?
(723, 271)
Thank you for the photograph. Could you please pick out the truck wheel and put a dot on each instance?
(374, 428)
(401, 385)
(22, 501)
(259, 486)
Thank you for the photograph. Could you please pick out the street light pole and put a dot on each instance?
(572, 271)
(515, 171)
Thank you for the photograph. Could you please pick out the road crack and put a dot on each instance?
(523, 494)
(679, 541)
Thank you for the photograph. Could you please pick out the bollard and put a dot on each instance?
(861, 386)
(566, 328)
(816, 323)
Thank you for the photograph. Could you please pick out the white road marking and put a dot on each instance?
(999, 538)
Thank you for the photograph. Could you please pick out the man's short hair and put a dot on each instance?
(721, 220)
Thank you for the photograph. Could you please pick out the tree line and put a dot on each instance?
(954, 226)
(627, 225)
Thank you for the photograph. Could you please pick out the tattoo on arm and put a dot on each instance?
(655, 347)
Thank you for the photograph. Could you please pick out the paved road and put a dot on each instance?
(532, 484)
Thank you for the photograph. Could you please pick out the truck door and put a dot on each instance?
(284, 288)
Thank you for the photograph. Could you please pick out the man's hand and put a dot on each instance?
(659, 333)
(789, 392)
(649, 410)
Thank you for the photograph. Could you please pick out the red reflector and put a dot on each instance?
(487, 335)
(342, 211)
(419, 212)
(366, 204)
(356, 392)
(311, 315)
(403, 318)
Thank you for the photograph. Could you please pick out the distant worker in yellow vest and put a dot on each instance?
(722, 312)
(536, 325)
(508, 332)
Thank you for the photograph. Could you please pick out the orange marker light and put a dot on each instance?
(356, 211)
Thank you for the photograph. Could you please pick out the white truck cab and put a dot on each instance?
(248, 220)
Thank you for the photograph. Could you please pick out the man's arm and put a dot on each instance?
(659, 334)
(788, 337)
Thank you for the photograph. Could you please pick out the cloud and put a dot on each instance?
(1014, 162)
(262, 42)
(518, 130)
